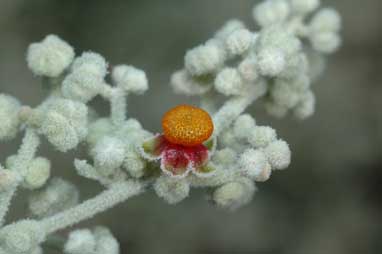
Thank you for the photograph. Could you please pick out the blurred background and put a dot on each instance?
(330, 198)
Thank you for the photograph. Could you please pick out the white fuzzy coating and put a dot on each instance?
(130, 79)
(8, 179)
(239, 41)
(183, 83)
(38, 173)
(271, 61)
(325, 20)
(304, 6)
(205, 59)
(65, 124)
(305, 108)
(284, 94)
(243, 125)
(91, 62)
(248, 68)
(9, 120)
(50, 57)
(271, 12)
(109, 154)
(228, 28)
(261, 136)
(134, 164)
(278, 154)
(229, 82)
(22, 237)
(81, 241)
(234, 194)
(326, 42)
(171, 190)
(106, 242)
(225, 156)
(59, 195)
(254, 164)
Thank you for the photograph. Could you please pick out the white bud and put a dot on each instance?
(9, 120)
(91, 62)
(234, 194)
(225, 156)
(80, 241)
(228, 28)
(284, 94)
(183, 83)
(22, 237)
(254, 164)
(239, 41)
(59, 195)
(326, 42)
(130, 79)
(134, 164)
(261, 136)
(204, 59)
(65, 124)
(109, 153)
(243, 125)
(271, 12)
(8, 179)
(229, 82)
(171, 190)
(106, 242)
(98, 129)
(278, 154)
(271, 61)
(248, 68)
(326, 20)
(304, 6)
(306, 106)
(38, 173)
(50, 57)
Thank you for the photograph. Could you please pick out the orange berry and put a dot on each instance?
(187, 125)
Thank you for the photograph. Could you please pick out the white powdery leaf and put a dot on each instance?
(50, 57)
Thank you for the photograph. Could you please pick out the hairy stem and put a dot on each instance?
(118, 106)
(116, 194)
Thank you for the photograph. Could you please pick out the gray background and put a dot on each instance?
(328, 201)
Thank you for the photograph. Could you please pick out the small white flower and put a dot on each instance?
(50, 57)
(91, 62)
(243, 125)
(109, 154)
(38, 173)
(229, 82)
(130, 79)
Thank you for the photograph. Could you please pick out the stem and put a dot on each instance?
(25, 154)
(233, 108)
(117, 193)
(118, 106)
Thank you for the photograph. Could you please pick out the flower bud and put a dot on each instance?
(81, 241)
(229, 82)
(278, 154)
(37, 174)
(171, 190)
(130, 79)
(9, 121)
